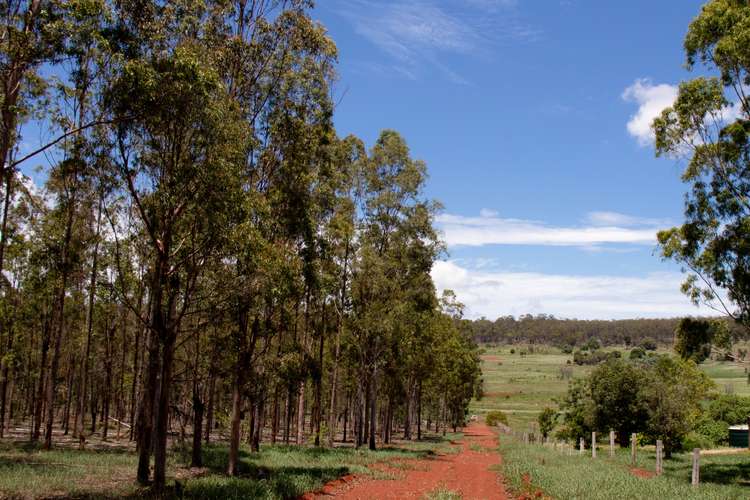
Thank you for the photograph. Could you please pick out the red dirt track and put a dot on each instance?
(467, 472)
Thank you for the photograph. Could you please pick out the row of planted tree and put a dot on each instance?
(201, 253)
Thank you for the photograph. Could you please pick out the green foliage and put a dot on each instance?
(496, 417)
(637, 353)
(697, 127)
(672, 391)
(693, 339)
(547, 420)
(659, 397)
(648, 344)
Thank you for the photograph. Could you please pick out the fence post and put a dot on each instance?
(525, 438)
(581, 446)
(633, 440)
(659, 455)
(593, 445)
(611, 444)
(696, 466)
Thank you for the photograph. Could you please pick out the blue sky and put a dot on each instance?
(533, 117)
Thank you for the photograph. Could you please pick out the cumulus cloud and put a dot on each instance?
(651, 100)
(498, 293)
(491, 229)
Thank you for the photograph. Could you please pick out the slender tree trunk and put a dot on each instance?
(145, 419)
(197, 460)
(5, 381)
(275, 416)
(210, 412)
(419, 412)
(39, 401)
(78, 427)
(334, 388)
(107, 393)
(162, 412)
(69, 394)
(373, 410)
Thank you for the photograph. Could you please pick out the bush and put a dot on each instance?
(697, 440)
(648, 345)
(713, 431)
(496, 417)
(638, 353)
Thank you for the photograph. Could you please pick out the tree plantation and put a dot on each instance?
(225, 272)
(207, 260)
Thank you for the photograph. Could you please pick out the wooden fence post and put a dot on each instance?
(696, 466)
(659, 455)
(633, 440)
(611, 444)
(525, 438)
(581, 446)
(593, 445)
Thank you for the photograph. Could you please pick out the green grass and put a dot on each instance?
(530, 468)
(522, 386)
(276, 472)
(443, 494)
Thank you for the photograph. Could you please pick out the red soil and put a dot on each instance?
(467, 472)
(643, 473)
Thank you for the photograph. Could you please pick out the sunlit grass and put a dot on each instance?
(533, 468)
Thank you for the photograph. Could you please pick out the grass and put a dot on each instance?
(276, 472)
(533, 468)
(522, 386)
(443, 494)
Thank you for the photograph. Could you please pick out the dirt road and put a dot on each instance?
(466, 472)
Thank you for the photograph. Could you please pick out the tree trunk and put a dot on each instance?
(197, 459)
(373, 411)
(145, 420)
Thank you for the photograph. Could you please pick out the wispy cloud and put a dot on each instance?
(618, 219)
(602, 228)
(496, 293)
(422, 34)
(651, 100)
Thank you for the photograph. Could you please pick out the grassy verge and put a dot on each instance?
(528, 469)
(275, 472)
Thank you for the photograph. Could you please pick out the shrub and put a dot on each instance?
(546, 421)
(638, 353)
(713, 431)
(697, 440)
(496, 417)
(648, 345)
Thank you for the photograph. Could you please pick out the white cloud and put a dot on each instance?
(618, 219)
(651, 100)
(491, 229)
(497, 293)
(419, 34)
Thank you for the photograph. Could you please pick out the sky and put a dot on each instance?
(533, 117)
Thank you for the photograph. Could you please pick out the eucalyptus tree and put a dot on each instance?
(394, 226)
(184, 136)
(708, 126)
(278, 73)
